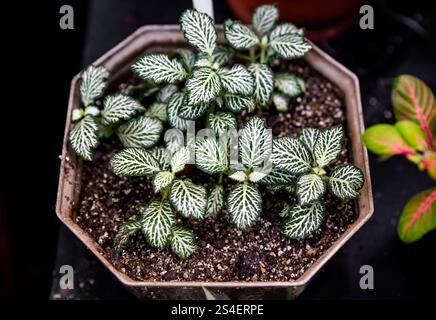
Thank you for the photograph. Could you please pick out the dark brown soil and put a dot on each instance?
(224, 252)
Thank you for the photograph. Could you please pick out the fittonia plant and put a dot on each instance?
(213, 84)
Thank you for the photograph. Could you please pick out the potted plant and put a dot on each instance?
(172, 175)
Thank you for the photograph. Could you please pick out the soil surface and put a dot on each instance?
(224, 252)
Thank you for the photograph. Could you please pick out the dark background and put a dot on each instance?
(40, 61)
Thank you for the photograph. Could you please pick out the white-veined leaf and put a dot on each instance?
(264, 18)
(263, 82)
(221, 121)
(158, 67)
(203, 86)
(236, 80)
(303, 220)
(291, 155)
(166, 92)
(256, 176)
(215, 201)
(285, 210)
(92, 111)
(244, 205)
(280, 101)
(285, 28)
(182, 242)
(119, 107)
(310, 188)
(309, 136)
(199, 30)
(203, 62)
(93, 83)
(83, 137)
(134, 162)
(157, 110)
(346, 181)
(289, 84)
(125, 232)
(254, 143)
(192, 112)
(238, 176)
(157, 222)
(328, 145)
(237, 103)
(278, 177)
(140, 132)
(173, 109)
(290, 46)
(222, 54)
(163, 157)
(189, 199)
(239, 36)
(179, 159)
(211, 155)
(162, 180)
(188, 58)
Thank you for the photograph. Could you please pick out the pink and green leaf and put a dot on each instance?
(418, 217)
(429, 163)
(413, 100)
(384, 139)
(412, 134)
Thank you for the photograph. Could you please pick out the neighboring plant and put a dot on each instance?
(214, 84)
(413, 136)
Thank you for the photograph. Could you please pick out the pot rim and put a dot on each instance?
(110, 60)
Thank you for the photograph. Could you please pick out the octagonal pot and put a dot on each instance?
(117, 61)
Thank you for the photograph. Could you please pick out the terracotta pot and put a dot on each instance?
(322, 18)
(117, 61)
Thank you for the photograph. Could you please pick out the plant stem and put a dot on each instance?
(220, 179)
(243, 56)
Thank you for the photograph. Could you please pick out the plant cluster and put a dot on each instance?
(413, 136)
(215, 83)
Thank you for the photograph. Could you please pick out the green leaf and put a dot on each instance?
(125, 232)
(309, 136)
(285, 28)
(289, 84)
(159, 68)
(303, 220)
(239, 36)
(236, 80)
(384, 139)
(211, 155)
(418, 216)
(328, 145)
(157, 222)
(346, 181)
(237, 103)
(157, 110)
(188, 58)
(93, 83)
(280, 101)
(244, 205)
(256, 176)
(162, 156)
(119, 107)
(191, 112)
(83, 137)
(203, 86)
(140, 132)
(134, 162)
(413, 100)
(291, 155)
(162, 180)
(179, 160)
(254, 143)
(263, 82)
(189, 199)
(182, 242)
(166, 92)
(238, 176)
(221, 121)
(413, 134)
(290, 46)
(278, 177)
(173, 110)
(215, 201)
(199, 30)
(264, 18)
(310, 188)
